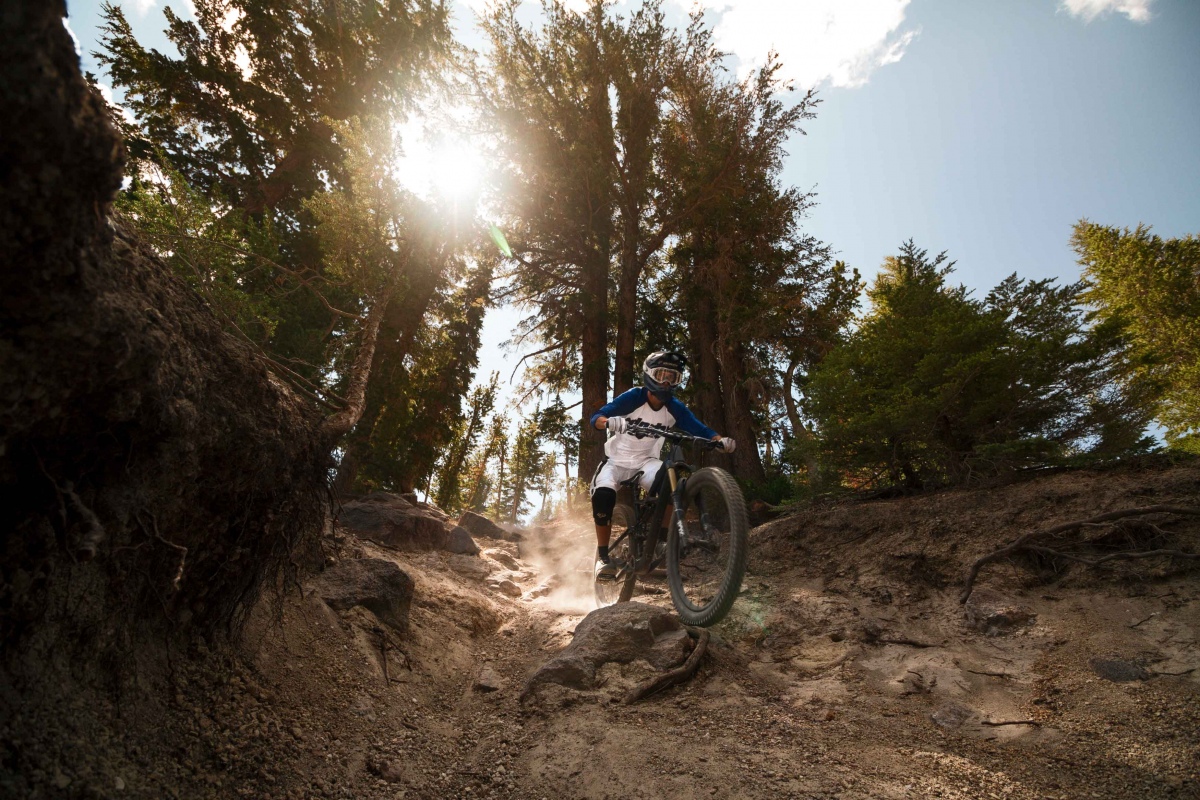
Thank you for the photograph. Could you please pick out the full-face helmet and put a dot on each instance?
(662, 372)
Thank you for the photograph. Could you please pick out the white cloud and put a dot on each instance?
(107, 93)
(74, 38)
(820, 42)
(833, 42)
(1136, 10)
(143, 6)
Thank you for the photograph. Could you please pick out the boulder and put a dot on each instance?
(488, 680)
(951, 715)
(505, 586)
(480, 526)
(393, 521)
(459, 541)
(471, 567)
(502, 558)
(620, 634)
(994, 614)
(1118, 670)
(377, 585)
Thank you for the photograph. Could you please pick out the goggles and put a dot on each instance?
(666, 376)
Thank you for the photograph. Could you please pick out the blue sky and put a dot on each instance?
(985, 129)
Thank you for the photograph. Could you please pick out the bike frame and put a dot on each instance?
(677, 472)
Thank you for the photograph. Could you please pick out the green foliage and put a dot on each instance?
(231, 263)
(245, 109)
(1149, 288)
(935, 386)
(258, 115)
(451, 493)
(421, 405)
(526, 471)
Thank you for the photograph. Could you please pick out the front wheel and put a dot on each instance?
(620, 590)
(707, 548)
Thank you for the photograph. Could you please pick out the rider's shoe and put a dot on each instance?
(608, 570)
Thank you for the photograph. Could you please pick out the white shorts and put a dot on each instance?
(611, 475)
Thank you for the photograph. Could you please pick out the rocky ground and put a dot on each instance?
(437, 661)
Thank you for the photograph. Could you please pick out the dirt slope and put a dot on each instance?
(801, 694)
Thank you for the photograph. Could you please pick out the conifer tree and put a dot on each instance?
(936, 387)
(1150, 288)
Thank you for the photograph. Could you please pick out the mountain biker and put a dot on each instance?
(652, 403)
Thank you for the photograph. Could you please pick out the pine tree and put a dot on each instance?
(467, 434)
(1150, 288)
(935, 386)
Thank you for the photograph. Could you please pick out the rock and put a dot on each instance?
(471, 566)
(480, 526)
(994, 614)
(459, 541)
(951, 716)
(502, 558)
(410, 498)
(870, 630)
(393, 521)
(389, 770)
(619, 633)
(377, 585)
(434, 511)
(761, 512)
(1117, 670)
(488, 680)
(541, 590)
(507, 587)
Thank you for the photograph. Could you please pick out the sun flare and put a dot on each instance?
(448, 167)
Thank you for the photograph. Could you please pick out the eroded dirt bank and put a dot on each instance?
(847, 669)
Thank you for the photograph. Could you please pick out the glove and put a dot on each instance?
(617, 424)
(728, 444)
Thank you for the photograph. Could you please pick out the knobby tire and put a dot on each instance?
(715, 610)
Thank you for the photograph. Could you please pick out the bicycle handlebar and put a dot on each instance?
(643, 429)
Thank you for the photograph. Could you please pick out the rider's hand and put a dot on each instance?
(727, 444)
(617, 424)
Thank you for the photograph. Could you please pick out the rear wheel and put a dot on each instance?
(707, 550)
(620, 590)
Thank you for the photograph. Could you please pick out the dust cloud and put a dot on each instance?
(563, 551)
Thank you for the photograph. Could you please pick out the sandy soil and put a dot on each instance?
(800, 694)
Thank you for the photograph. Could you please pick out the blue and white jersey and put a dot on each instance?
(625, 450)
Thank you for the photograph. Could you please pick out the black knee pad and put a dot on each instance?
(604, 500)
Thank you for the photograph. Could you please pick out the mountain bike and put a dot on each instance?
(707, 541)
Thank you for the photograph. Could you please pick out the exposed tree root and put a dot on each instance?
(904, 641)
(1028, 542)
(674, 676)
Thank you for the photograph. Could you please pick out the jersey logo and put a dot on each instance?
(643, 434)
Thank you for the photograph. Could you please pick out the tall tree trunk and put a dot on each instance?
(627, 284)
(799, 429)
(594, 353)
(705, 382)
(500, 486)
(567, 492)
(449, 486)
(339, 424)
(402, 319)
(747, 464)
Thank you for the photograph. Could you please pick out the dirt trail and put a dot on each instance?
(801, 694)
